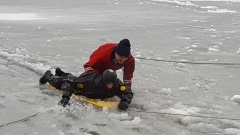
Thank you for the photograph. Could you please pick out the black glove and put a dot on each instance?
(64, 101)
(123, 105)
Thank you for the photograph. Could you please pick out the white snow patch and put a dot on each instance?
(175, 51)
(182, 113)
(172, 111)
(214, 60)
(184, 60)
(119, 116)
(20, 16)
(238, 50)
(166, 90)
(159, 58)
(21, 57)
(210, 29)
(135, 121)
(138, 55)
(204, 127)
(211, 49)
(209, 7)
(232, 131)
(152, 107)
(221, 11)
(194, 46)
(188, 109)
(236, 98)
(191, 50)
(184, 88)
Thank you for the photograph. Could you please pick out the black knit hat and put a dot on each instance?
(123, 48)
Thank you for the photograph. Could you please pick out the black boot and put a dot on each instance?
(59, 72)
(44, 78)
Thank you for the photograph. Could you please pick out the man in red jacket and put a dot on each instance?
(113, 56)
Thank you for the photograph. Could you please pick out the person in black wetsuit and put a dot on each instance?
(92, 85)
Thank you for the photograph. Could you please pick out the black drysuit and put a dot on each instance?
(90, 85)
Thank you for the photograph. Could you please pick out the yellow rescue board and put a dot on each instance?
(100, 104)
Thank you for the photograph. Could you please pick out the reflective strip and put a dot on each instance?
(88, 68)
(127, 81)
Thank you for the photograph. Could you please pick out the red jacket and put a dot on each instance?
(103, 58)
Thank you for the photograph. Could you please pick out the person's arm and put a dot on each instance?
(125, 94)
(67, 93)
(128, 72)
(93, 62)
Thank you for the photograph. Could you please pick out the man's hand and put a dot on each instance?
(64, 101)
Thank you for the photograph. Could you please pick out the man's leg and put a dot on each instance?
(68, 76)
(60, 83)
(44, 78)
(59, 72)
(55, 81)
